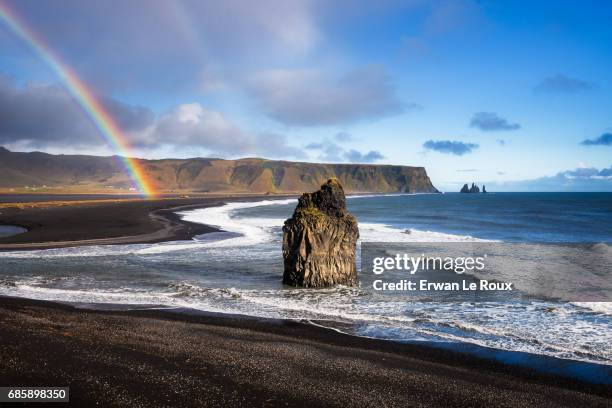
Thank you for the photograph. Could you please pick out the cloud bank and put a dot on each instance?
(192, 125)
(39, 116)
(450, 147)
(330, 151)
(581, 179)
(355, 156)
(166, 44)
(603, 140)
(490, 121)
(312, 98)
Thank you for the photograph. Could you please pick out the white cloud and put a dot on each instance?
(45, 116)
(192, 125)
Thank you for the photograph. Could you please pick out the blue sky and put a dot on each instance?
(496, 92)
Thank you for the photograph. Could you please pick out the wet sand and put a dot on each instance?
(154, 358)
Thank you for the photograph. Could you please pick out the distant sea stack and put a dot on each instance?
(319, 240)
(204, 175)
(472, 190)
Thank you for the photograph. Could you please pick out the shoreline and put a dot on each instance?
(115, 221)
(247, 360)
(587, 372)
(522, 367)
(109, 222)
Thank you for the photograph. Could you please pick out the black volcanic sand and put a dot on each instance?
(96, 223)
(152, 358)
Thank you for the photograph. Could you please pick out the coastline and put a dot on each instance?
(186, 359)
(241, 329)
(109, 222)
(85, 222)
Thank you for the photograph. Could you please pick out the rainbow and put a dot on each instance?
(105, 124)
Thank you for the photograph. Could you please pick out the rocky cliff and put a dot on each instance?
(319, 240)
(103, 174)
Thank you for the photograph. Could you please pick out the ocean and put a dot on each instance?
(239, 271)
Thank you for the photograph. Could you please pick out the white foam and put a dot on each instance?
(119, 296)
(259, 229)
(77, 251)
(599, 307)
(249, 231)
(538, 327)
(373, 232)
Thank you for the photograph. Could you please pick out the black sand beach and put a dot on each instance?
(105, 222)
(153, 358)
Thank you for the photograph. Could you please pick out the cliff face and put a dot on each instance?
(319, 240)
(95, 173)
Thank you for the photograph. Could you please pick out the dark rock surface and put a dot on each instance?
(474, 189)
(319, 240)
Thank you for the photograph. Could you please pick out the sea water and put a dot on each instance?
(9, 230)
(239, 271)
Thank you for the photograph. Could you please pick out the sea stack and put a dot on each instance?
(319, 240)
(474, 189)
